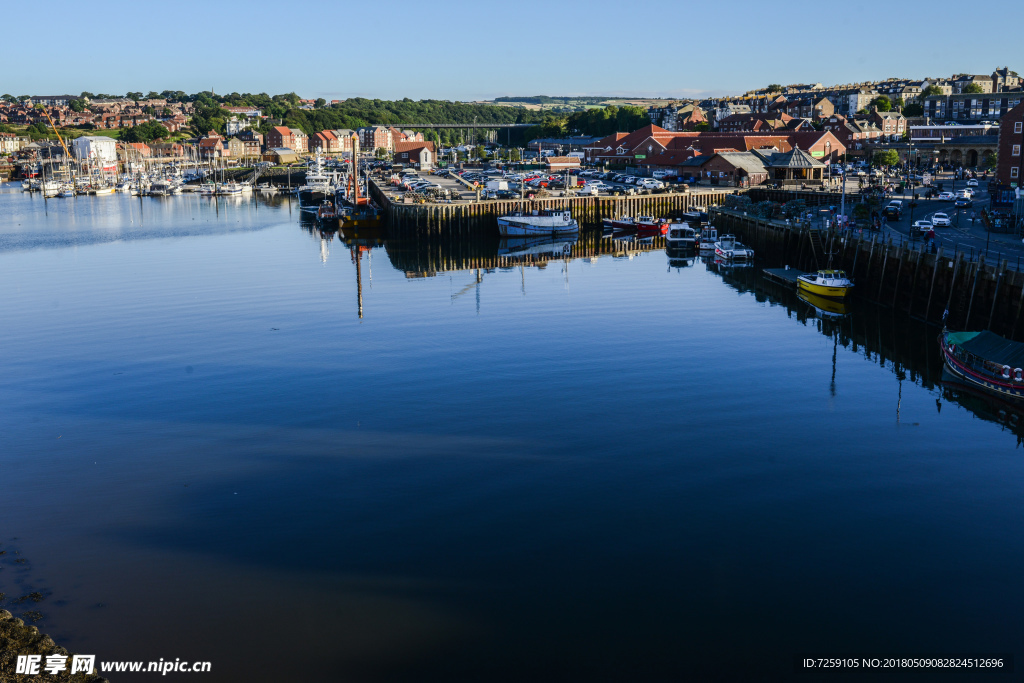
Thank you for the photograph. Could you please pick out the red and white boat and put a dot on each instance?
(644, 226)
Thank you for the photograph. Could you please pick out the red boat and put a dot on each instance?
(644, 226)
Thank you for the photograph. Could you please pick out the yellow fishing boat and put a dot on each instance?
(832, 284)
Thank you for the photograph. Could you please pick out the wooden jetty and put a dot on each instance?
(785, 275)
(468, 218)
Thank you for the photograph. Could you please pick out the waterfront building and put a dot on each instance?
(95, 148)
(291, 138)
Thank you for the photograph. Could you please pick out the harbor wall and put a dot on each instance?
(978, 293)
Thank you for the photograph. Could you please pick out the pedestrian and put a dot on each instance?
(931, 235)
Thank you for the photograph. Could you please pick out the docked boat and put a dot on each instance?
(729, 248)
(832, 284)
(208, 189)
(542, 222)
(229, 189)
(326, 211)
(646, 226)
(708, 237)
(986, 361)
(681, 237)
(319, 185)
(51, 188)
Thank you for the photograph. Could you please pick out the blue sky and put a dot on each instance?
(459, 50)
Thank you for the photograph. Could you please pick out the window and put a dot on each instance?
(1013, 172)
(1016, 151)
(1017, 127)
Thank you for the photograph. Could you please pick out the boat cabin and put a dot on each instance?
(831, 278)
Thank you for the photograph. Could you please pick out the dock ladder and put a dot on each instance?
(817, 247)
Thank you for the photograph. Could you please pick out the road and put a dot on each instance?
(963, 234)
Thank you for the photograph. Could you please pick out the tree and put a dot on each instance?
(153, 95)
(513, 154)
(144, 132)
(133, 96)
(320, 103)
(86, 95)
(914, 109)
(382, 153)
(4, 128)
(882, 102)
(774, 87)
(77, 105)
(479, 152)
(972, 89)
(9, 98)
(929, 91)
(888, 157)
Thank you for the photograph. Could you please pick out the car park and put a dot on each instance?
(940, 219)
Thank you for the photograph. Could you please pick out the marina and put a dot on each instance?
(259, 445)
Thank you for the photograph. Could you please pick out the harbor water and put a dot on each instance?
(229, 437)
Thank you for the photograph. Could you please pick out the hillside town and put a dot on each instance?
(969, 121)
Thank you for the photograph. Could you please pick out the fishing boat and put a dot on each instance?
(729, 248)
(708, 237)
(208, 189)
(51, 188)
(230, 188)
(681, 236)
(539, 222)
(319, 185)
(986, 361)
(326, 211)
(827, 283)
(646, 226)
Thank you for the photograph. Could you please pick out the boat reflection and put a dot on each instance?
(825, 308)
(547, 245)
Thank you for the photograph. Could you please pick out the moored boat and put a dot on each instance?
(542, 222)
(985, 360)
(645, 226)
(728, 247)
(681, 236)
(708, 237)
(832, 284)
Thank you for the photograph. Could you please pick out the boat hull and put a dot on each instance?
(1008, 389)
(823, 290)
(517, 229)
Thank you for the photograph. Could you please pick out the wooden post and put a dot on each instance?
(977, 274)
(931, 288)
(995, 294)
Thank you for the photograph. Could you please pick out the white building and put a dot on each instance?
(96, 147)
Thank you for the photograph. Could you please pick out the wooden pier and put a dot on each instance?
(786, 275)
(476, 217)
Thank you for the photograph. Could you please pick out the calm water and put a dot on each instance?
(603, 469)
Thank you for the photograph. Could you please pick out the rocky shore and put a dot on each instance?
(18, 639)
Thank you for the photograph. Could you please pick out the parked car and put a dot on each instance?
(940, 219)
(650, 184)
(630, 179)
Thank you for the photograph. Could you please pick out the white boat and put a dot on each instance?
(267, 188)
(708, 237)
(102, 190)
(681, 236)
(730, 249)
(66, 190)
(230, 189)
(160, 188)
(207, 189)
(51, 188)
(543, 222)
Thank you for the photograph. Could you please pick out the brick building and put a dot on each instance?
(290, 138)
(1009, 164)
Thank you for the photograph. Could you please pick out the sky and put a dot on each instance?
(476, 50)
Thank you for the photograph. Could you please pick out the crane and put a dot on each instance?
(59, 138)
